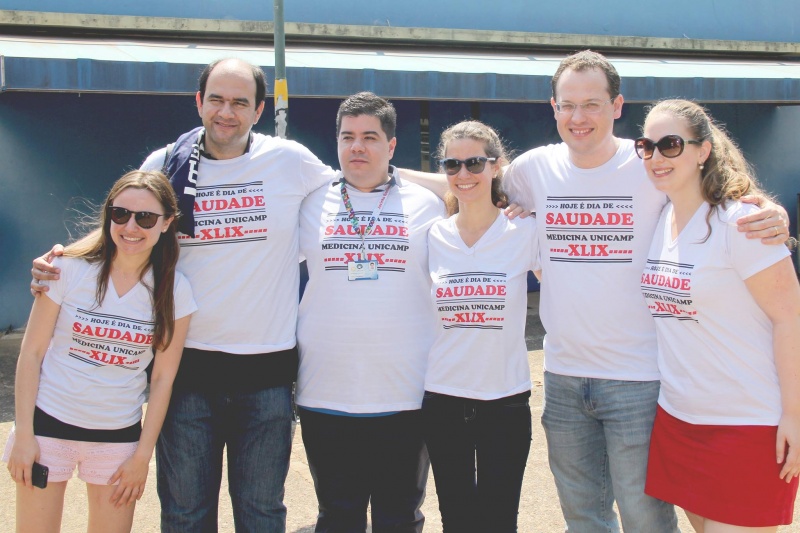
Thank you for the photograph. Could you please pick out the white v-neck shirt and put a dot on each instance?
(93, 373)
(715, 350)
(479, 294)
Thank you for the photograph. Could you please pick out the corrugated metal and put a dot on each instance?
(164, 68)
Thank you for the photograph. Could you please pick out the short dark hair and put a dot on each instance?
(589, 60)
(367, 103)
(258, 75)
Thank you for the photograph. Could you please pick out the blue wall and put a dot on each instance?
(776, 20)
(56, 148)
(59, 150)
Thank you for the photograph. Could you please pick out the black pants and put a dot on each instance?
(492, 438)
(355, 461)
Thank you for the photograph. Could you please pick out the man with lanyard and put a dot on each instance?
(597, 211)
(240, 194)
(364, 330)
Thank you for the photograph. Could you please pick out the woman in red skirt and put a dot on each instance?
(726, 441)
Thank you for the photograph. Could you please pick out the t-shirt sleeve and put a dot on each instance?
(750, 256)
(155, 161)
(70, 274)
(313, 172)
(535, 259)
(184, 299)
(518, 186)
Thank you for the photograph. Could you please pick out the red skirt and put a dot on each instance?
(723, 473)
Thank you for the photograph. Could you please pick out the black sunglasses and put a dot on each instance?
(475, 165)
(121, 216)
(669, 146)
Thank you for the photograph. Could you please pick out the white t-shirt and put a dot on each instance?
(595, 227)
(364, 344)
(93, 373)
(715, 343)
(480, 297)
(242, 263)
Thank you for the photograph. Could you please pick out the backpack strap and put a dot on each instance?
(166, 158)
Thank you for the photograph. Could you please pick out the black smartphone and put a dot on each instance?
(39, 475)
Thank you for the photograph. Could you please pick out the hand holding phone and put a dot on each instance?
(39, 474)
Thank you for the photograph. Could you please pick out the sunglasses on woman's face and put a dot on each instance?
(669, 146)
(121, 216)
(475, 165)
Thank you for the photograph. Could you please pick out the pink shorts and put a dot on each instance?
(96, 461)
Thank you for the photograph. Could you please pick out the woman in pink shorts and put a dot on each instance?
(726, 442)
(82, 369)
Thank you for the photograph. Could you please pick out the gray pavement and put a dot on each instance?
(539, 509)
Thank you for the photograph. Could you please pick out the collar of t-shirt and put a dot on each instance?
(205, 154)
(380, 188)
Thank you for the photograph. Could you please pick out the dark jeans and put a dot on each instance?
(256, 427)
(355, 461)
(491, 437)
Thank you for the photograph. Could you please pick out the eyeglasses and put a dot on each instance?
(590, 108)
(475, 165)
(669, 146)
(121, 216)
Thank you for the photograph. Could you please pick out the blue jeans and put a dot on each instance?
(355, 461)
(491, 437)
(598, 438)
(256, 427)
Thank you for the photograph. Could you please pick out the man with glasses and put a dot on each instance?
(597, 211)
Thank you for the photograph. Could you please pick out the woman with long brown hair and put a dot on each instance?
(726, 441)
(81, 373)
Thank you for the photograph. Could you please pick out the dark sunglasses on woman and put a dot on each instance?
(669, 146)
(121, 216)
(475, 165)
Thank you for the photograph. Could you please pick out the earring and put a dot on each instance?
(700, 166)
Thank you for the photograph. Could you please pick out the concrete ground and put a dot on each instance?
(539, 509)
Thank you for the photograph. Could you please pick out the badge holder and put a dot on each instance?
(362, 269)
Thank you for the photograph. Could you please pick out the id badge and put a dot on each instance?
(362, 269)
